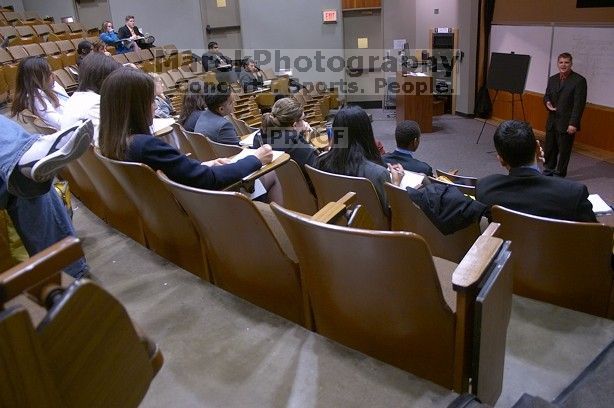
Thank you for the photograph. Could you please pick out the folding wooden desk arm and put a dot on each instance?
(41, 272)
(247, 182)
(467, 278)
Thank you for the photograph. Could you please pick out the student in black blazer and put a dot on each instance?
(565, 99)
(525, 188)
(131, 31)
(407, 135)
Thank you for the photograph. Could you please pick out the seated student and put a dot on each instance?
(284, 129)
(214, 59)
(110, 37)
(131, 32)
(407, 135)
(84, 103)
(354, 153)
(250, 77)
(193, 104)
(28, 164)
(83, 49)
(164, 109)
(212, 123)
(525, 188)
(37, 91)
(126, 116)
(100, 47)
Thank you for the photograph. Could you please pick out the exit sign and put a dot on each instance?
(329, 16)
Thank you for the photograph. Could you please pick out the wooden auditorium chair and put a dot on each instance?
(86, 351)
(329, 186)
(407, 216)
(168, 230)
(297, 195)
(565, 263)
(247, 250)
(380, 292)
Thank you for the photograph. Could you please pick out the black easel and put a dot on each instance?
(507, 72)
(524, 116)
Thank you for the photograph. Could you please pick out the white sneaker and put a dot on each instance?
(50, 153)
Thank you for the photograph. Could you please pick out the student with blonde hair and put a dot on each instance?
(164, 109)
(284, 128)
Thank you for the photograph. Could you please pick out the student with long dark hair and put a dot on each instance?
(354, 152)
(126, 115)
(194, 104)
(37, 91)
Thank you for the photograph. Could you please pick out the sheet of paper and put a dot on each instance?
(266, 82)
(249, 139)
(363, 42)
(221, 3)
(250, 152)
(161, 123)
(599, 206)
(411, 179)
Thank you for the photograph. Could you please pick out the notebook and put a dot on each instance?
(411, 179)
(599, 206)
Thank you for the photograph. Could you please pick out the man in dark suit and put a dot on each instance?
(526, 189)
(130, 31)
(565, 99)
(407, 135)
(214, 59)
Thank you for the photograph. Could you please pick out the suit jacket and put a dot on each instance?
(408, 162)
(249, 81)
(211, 60)
(528, 191)
(217, 128)
(178, 167)
(124, 32)
(569, 99)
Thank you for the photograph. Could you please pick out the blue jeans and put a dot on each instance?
(37, 212)
(14, 142)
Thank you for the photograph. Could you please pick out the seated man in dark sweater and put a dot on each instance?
(525, 188)
(407, 135)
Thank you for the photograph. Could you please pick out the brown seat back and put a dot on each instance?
(406, 216)
(296, 193)
(201, 146)
(183, 142)
(85, 352)
(224, 150)
(270, 281)
(377, 292)
(121, 213)
(561, 262)
(17, 52)
(168, 230)
(34, 50)
(329, 187)
(121, 58)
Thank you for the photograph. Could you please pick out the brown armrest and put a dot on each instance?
(333, 209)
(491, 230)
(40, 268)
(471, 268)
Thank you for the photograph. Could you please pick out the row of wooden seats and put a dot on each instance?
(545, 266)
(549, 253)
(28, 34)
(205, 224)
(13, 18)
(85, 351)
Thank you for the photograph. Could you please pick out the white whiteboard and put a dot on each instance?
(592, 49)
(532, 40)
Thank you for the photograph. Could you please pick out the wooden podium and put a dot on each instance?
(414, 100)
